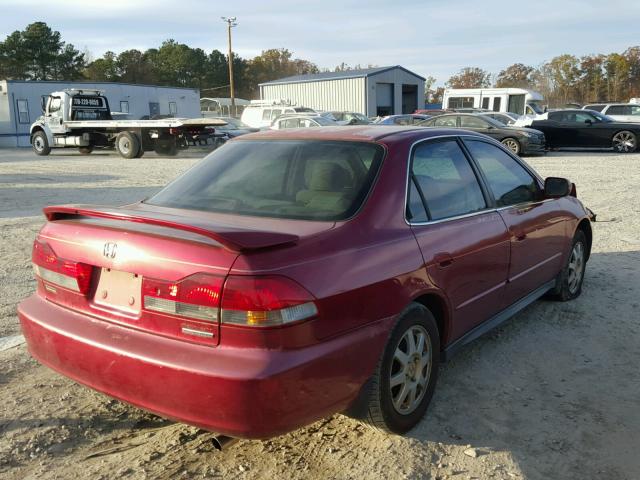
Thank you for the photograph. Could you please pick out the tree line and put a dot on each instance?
(39, 53)
(564, 79)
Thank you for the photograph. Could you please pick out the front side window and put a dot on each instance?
(289, 123)
(55, 105)
(444, 177)
(308, 180)
(508, 180)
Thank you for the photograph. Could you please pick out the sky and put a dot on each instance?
(428, 37)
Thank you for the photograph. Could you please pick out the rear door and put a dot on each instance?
(536, 226)
(464, 243)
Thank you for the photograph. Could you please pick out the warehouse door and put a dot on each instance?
(154, 109)
(384, 99)
(409, 98)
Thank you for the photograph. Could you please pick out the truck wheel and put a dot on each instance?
(405, 378)
(166, 147)
(127, 144)
(140, 152)
(40, 143)
(86, 150)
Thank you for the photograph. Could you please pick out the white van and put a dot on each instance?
(260, 113)
(620, 112)
(514, 100)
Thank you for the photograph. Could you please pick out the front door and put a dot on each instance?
(479, 124)
(54, 118)
(536, 226)
(464, 244)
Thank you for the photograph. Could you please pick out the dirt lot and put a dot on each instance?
(553, 394)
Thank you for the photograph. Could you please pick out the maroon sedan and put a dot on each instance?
(292, 274)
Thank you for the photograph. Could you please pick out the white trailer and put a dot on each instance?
(82, 119)
(514, 100)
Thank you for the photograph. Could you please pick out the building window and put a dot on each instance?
(23, 111)
(460, 102)
(173, 108)
(124, 106)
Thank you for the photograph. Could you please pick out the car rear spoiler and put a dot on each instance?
(236, 239)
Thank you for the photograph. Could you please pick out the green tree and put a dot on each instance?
(470, 77)
(273, 64)
(38, 53)
(592, 78)
(103, 69)
(617, 70)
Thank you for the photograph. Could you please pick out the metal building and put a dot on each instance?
(20, 103)
(372, 91)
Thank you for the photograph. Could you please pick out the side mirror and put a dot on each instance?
(556, 187)
(43, 102)
(588, 122)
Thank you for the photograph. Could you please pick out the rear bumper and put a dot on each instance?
(247, 393)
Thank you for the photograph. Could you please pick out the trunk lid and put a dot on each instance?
(140, 250)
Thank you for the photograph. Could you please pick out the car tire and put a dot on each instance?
(624, 142)
(86, 150)
(40, 143)
(140, 152)
(127, 144)
(512, 144)
(398, 408)
(569, 280)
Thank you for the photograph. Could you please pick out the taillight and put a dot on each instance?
(49, 267)
(196, 296)
(573, 192)
(265, 301)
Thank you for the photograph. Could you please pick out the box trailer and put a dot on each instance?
(514, 100)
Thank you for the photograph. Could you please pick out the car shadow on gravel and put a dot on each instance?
(552, 384)
(21, 202)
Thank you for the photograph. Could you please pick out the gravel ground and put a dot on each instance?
(552, 394)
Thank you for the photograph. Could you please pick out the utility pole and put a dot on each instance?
(231, 22)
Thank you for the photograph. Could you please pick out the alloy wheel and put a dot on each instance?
(512, 145)
(410, 370)
(576, 267)
(624, 142)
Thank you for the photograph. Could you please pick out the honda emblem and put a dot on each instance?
(110, 249)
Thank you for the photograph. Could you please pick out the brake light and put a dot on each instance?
(196, 296)
(49, 267)
(265, 301)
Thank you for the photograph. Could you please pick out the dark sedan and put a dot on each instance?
(519, 140)
(587, 129)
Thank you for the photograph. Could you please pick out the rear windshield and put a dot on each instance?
(308, 180)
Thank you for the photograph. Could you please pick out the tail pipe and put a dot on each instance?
(222, 442)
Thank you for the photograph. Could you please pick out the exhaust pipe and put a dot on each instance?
(222, 442)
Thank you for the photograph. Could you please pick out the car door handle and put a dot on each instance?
(443, 259)
(520, 236)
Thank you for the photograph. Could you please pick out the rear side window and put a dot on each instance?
(444, 177)
(508, 180)
(597, 108)
(309, 180)
(468, 121)
(445, 121)
(266, 114)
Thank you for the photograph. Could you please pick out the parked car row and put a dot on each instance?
(523, 135)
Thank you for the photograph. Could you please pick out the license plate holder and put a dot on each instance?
(119, 290)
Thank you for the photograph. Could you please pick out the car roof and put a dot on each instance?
(359, 133)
